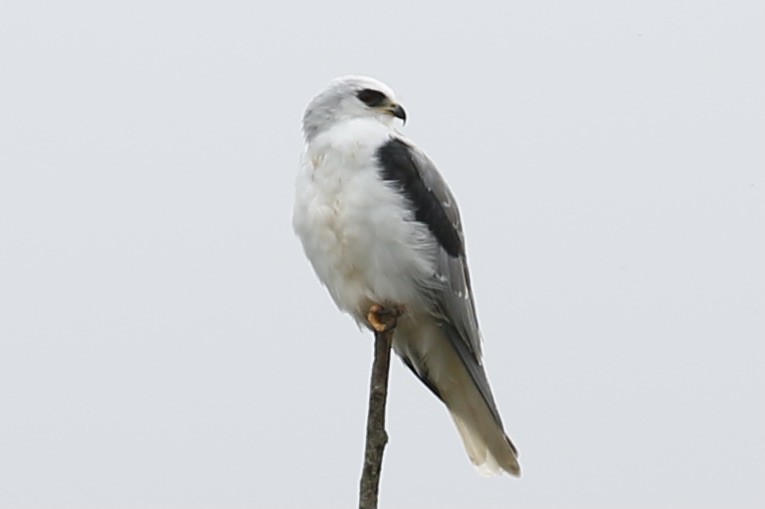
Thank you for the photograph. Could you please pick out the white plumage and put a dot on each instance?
(380, 226)
(344, 213)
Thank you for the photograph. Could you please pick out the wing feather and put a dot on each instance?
(451, 294)
(454, 298)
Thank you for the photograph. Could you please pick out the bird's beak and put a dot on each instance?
(398, 111)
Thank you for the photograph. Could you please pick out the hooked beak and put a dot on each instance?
(398, 111)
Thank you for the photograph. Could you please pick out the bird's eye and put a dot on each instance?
(372, 98)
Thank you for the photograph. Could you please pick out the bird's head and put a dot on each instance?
(351, 97)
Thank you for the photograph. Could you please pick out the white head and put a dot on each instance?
(351, 97)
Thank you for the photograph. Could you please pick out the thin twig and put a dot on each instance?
(376, 434)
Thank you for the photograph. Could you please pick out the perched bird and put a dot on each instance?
(382, 231)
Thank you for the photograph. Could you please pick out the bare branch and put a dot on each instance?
(377, 437)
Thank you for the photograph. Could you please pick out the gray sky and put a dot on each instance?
(164, 342)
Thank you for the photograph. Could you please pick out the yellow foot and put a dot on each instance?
(383, 319)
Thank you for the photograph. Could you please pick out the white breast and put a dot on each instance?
(356, 229)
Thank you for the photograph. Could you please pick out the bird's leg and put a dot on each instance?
(383, 318)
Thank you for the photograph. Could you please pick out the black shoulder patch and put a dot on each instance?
(399, 167)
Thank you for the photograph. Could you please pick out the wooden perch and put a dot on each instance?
(383, 322)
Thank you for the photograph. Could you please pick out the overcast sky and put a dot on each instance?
(165, 344)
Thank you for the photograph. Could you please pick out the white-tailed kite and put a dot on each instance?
(381, 228)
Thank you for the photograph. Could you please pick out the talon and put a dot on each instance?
(383, 319)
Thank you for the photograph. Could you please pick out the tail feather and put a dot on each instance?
(485, 442)
(431, 356)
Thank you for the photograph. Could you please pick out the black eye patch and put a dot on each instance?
(372, 98)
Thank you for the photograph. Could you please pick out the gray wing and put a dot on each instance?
(434, 205)
(455, 298)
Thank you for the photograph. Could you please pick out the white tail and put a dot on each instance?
(485, 442)
(424, 345)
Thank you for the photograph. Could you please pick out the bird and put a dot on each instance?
(382, 231)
